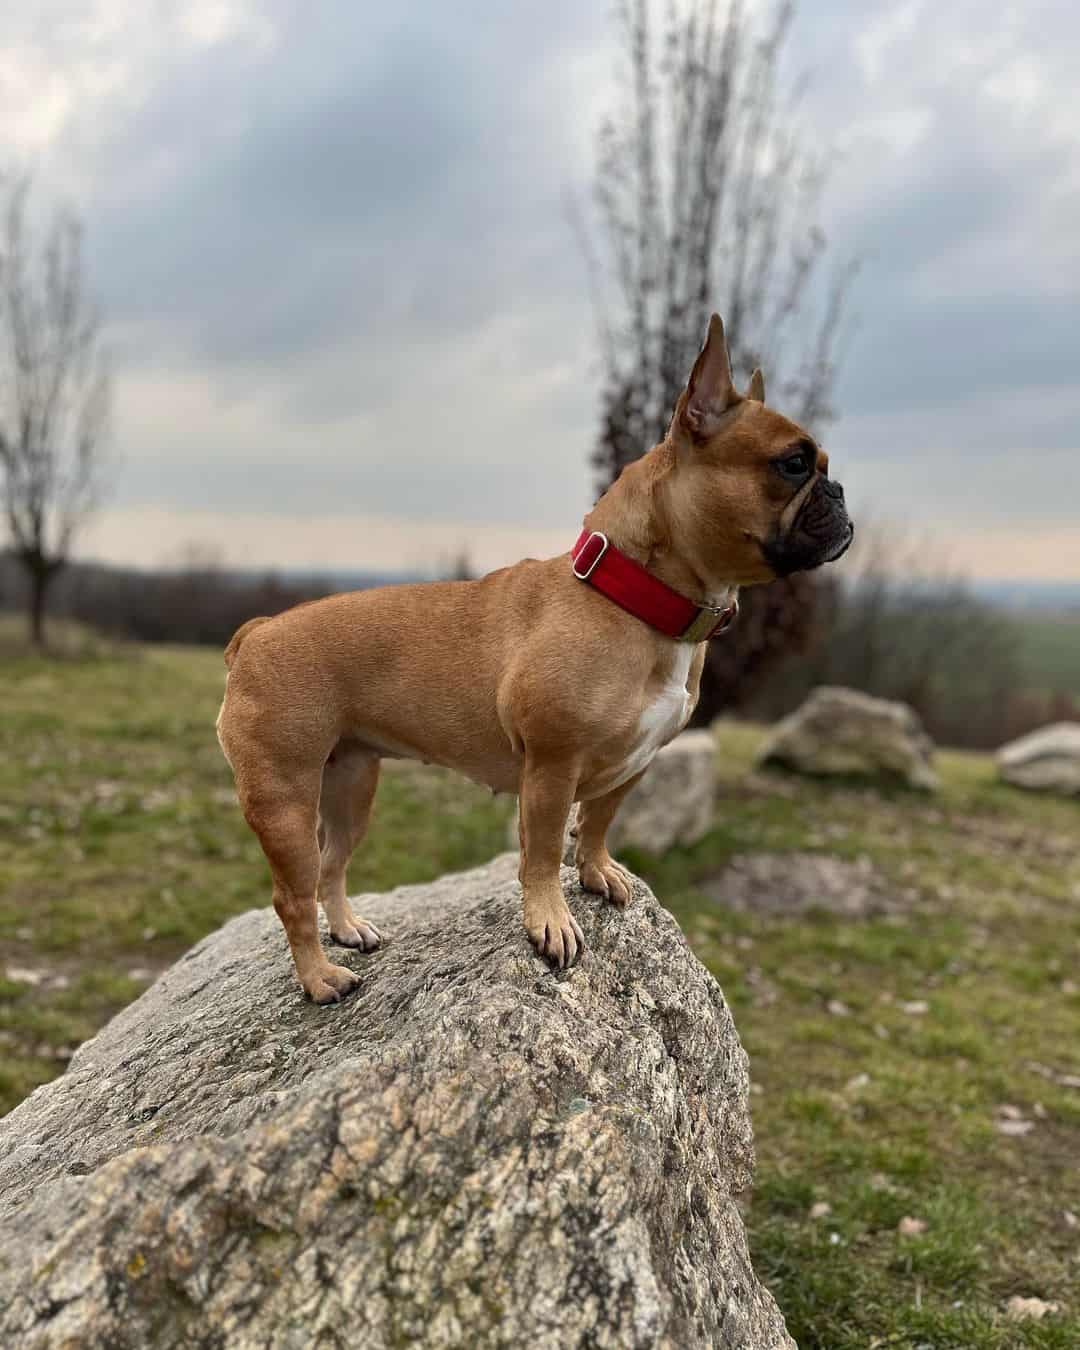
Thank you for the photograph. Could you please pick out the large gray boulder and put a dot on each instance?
(675, 800)
(842, 732)
(472, 1150)
(673, 803)
(1047, 760)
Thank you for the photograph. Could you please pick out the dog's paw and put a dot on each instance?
(604, 876)
(330, 984)
(557, 937)
(359, 934)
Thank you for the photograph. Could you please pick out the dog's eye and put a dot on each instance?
(794, 466)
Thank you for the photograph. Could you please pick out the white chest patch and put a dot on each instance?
(660, 720)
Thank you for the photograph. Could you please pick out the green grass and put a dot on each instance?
(120, 844)
(1050, 647)
(883, 1114)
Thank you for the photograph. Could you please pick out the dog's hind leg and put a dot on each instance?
(349, 780)
(284, 814)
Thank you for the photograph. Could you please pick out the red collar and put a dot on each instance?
(597, 562)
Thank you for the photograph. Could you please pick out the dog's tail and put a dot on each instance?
(238, 637)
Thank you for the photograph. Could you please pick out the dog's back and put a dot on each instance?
(238, 637)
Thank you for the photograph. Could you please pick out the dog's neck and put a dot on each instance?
(632, 513)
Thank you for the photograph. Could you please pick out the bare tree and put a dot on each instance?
(54, 394)
(708, 200)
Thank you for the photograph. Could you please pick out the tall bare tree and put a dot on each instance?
(707, 199)
(54, 393)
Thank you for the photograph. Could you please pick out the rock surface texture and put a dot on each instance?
(471, 1150)
(673, 803)
(843, 732)
(1047, 760)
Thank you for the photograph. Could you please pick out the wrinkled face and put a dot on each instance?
(751, 489)
(812, 526)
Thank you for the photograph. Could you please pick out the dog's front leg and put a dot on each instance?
(547, 793)
(597, 869)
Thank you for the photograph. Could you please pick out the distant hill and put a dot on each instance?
(1062, 596)
(346, 581)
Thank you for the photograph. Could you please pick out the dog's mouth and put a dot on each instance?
(841, 546)
(819, 534)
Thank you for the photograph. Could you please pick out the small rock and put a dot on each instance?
(1071, 1220)
(1029, 1309)
(820, 1209)
(1047, 760)
(1014, 1129)
(860, 1080)
(24, 975)
(837, 1008)
(916, 1007)
(842, 731)
(61, 1053)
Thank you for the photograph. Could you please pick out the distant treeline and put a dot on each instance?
(201, 603)
(955, 658)
(959, 661)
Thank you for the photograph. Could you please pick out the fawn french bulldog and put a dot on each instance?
(558, 679)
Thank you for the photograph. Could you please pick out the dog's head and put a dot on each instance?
(750, 493)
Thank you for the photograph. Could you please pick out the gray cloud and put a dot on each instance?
(364, 175)
(334, 256)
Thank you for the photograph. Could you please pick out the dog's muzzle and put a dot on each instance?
(820, 533)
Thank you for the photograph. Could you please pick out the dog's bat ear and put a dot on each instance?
(756, 390)
(710, 391)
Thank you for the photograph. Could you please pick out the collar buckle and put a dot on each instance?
(709, 622)
(590, 555)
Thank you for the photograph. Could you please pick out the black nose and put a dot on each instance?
(833, 488)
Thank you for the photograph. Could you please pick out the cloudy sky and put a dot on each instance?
(349, 321)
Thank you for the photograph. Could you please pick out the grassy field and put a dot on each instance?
(1050, 649)
(916, 1074)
